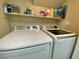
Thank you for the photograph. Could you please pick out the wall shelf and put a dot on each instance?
(33, 16)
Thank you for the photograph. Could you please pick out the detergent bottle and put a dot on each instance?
(51, 12)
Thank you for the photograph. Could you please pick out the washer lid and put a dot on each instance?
(21, 39)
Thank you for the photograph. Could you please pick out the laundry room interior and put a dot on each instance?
(36, 17)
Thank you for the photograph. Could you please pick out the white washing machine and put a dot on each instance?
(64, 43)
(26, 45)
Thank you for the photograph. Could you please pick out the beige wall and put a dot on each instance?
(73, 15)
(49, 3)
(4, 29)
(72, 18)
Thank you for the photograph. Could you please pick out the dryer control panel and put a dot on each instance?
(27, 27)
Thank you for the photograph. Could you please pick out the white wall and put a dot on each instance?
(76, 53)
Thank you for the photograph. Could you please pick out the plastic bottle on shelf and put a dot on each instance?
(7, 8)
(60, 11)
(64, 10)
(28, 11)
(51, 12)
(47, 12)
(55, 13)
